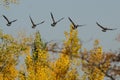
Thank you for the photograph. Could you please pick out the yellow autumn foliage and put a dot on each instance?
(63, 65)
(72, 43)
(10, 50)
(95, 66)
(36, 65)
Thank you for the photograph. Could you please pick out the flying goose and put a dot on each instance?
(104, 29)
(33, 24)
(9, 22)
(55, 22)
(74, 25)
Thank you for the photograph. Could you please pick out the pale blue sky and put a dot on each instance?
(106, 12)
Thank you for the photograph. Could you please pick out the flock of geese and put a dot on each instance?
(54, 22)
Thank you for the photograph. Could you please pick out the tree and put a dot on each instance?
(7, 3)
(66, 65)
(97, 65)
(71, 63)
(10, 49)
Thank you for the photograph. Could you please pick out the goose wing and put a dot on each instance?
(100, 25)
(111, 29)
(40, 22)
(52, 17)
(60, 19)
(6, 18)
(14, 20)
(31, 20)
(71, 21)
(81, 25)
